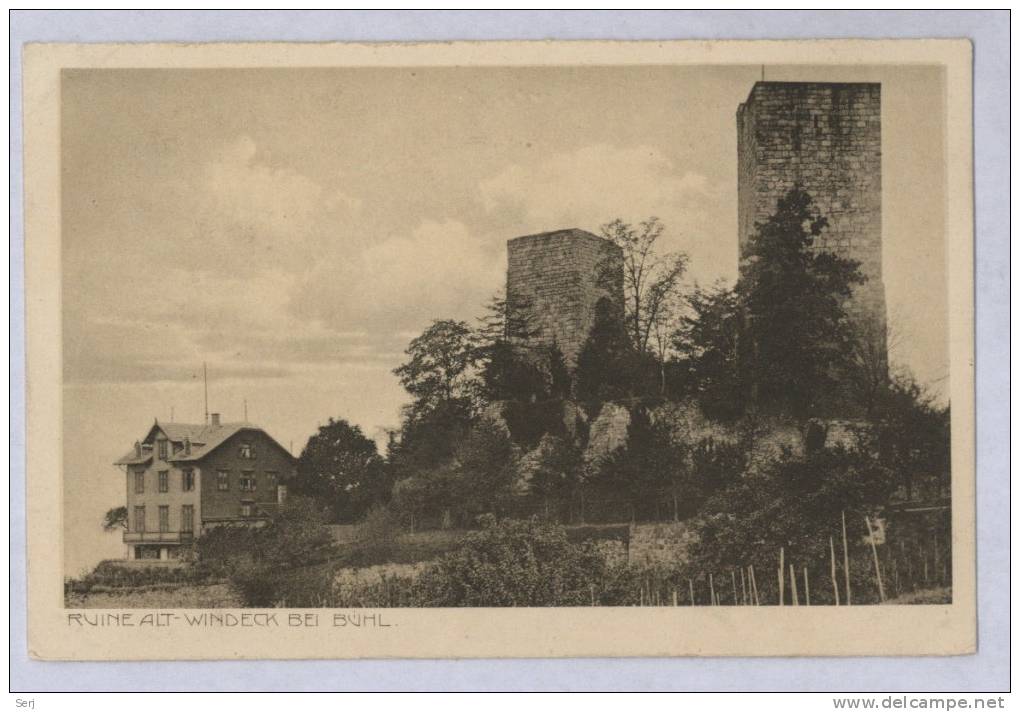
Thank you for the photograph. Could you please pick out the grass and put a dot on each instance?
(180, 596)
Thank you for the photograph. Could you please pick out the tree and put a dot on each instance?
(797, 337)
(608, 366)
(476, 477)
(912, 436)
(796, 503)
(485, 463)
(440, 366)
(557, 473)
(116, 518)
(869, 363)
(341, 468)
(651, 283)
(706, 341)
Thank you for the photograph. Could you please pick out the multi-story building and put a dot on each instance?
(184, 479)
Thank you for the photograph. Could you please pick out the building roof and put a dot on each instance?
(204, 439)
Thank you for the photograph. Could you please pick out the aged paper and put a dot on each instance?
(230, 248)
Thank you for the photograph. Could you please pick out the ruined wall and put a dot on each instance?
(827, 137)
(558, 275)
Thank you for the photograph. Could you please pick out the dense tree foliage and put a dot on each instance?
(440, 369)
(116, 518)
(796, 503)
(797, 336)
(341, 468)
(608, 366)
(706, 341)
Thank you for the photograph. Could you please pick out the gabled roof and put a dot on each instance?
(203, 439)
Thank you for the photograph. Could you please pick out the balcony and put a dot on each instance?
(158, 537)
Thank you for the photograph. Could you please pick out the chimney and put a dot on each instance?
(215, 419)
(138, 449)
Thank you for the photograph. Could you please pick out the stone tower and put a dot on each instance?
(561, 275)
(827, 138)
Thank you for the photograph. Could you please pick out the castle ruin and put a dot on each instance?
(561, 276)
(827, 138)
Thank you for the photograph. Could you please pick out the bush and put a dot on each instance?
(261, 563)
(114, 574)
(512, 563)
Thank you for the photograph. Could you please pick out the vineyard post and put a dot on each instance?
(874, 552)
(793, 586)
(846, 563)
(835, 586)
(807, 588)
(781, 584)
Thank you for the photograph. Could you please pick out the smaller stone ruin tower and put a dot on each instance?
(561, 276)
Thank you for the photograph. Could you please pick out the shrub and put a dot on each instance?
(512, 563)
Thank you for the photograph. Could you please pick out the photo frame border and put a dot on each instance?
(985, 670)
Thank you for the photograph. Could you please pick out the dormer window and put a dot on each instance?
(161, 449)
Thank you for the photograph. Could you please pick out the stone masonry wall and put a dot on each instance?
(558, 273)
(827, 137)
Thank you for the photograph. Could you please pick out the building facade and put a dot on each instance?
(183, 479)
(561, 276)
(826, 137)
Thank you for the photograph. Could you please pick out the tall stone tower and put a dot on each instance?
(562, 275)
(827, 138)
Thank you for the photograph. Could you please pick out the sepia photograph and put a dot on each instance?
(461, 335)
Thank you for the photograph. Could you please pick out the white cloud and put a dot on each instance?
(595, 184)
(438, 270)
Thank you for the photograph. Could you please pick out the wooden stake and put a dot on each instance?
(874, 552)
(807, 588)
(793, 586)
(711, 589)
(835, 586)
(754, 587)
(674, 598)
(743, 588)
(733, 578)
(781, 584)
(690, 585)
(846, 563)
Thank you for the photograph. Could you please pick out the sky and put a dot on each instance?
(295, 228)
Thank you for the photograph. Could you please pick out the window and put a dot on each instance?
(140, 519)
(161, 445)
(164, 481)
(164, 518)
(247, 451)
(247, 509)
(223, 480)
(140, 482)
(248, 481)
(188, 480)
(187, 518)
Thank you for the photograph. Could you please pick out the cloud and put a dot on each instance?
(596, 184)
(440, 269)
